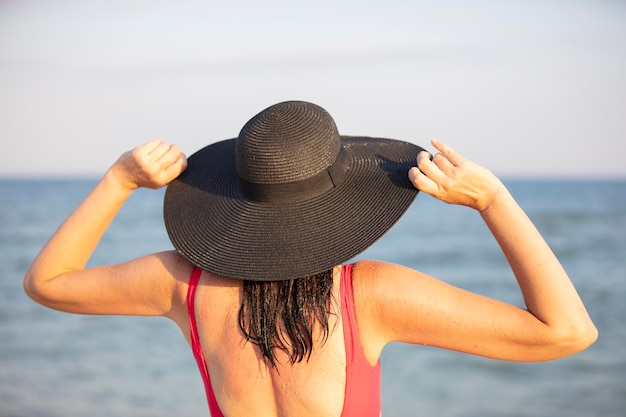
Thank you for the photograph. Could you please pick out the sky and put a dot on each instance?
(526, 88)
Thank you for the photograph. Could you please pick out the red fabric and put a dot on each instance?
(214, 409)
(362, 394)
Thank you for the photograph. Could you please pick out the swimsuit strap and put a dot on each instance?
(362, 397)
(195, 343)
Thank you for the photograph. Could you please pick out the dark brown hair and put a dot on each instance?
(283, 314)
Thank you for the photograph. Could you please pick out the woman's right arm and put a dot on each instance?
(419, 309)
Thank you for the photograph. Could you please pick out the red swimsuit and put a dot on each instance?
(362, 396)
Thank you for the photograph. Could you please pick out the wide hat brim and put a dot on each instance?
(216, 228)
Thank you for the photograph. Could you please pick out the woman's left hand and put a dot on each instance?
(151, 165)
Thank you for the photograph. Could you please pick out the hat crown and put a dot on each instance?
(287, 142)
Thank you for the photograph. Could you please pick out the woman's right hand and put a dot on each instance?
(454, 179)
(151, 165)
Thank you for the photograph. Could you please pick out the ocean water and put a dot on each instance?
(56, 364)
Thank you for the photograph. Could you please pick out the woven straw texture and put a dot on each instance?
(217, 225)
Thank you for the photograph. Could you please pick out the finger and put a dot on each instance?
(159, 151)
(428, 167)
(443, 163)
(169, 172)
(422, 182)
(423, 155)
(169, 156)
(145, 154)
(178, 166)
(448, 152)
(147, 147)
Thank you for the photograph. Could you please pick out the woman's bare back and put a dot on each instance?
(243, 382)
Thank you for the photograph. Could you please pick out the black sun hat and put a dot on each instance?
(289, 197)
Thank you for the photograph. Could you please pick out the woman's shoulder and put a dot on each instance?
(389, 297)
(172, 270)
(377, 285)
(374, 273)
(167, 264)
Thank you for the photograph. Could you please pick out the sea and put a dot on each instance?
(55, 364)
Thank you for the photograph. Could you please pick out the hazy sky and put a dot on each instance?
(526, 88)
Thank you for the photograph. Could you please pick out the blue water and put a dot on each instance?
(55, 364)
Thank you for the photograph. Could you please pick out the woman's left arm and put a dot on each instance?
(57, 278)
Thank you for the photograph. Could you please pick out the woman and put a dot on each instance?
(263, 226)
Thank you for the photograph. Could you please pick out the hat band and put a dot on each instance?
(291, 192)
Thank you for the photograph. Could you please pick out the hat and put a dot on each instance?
(288, 198)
